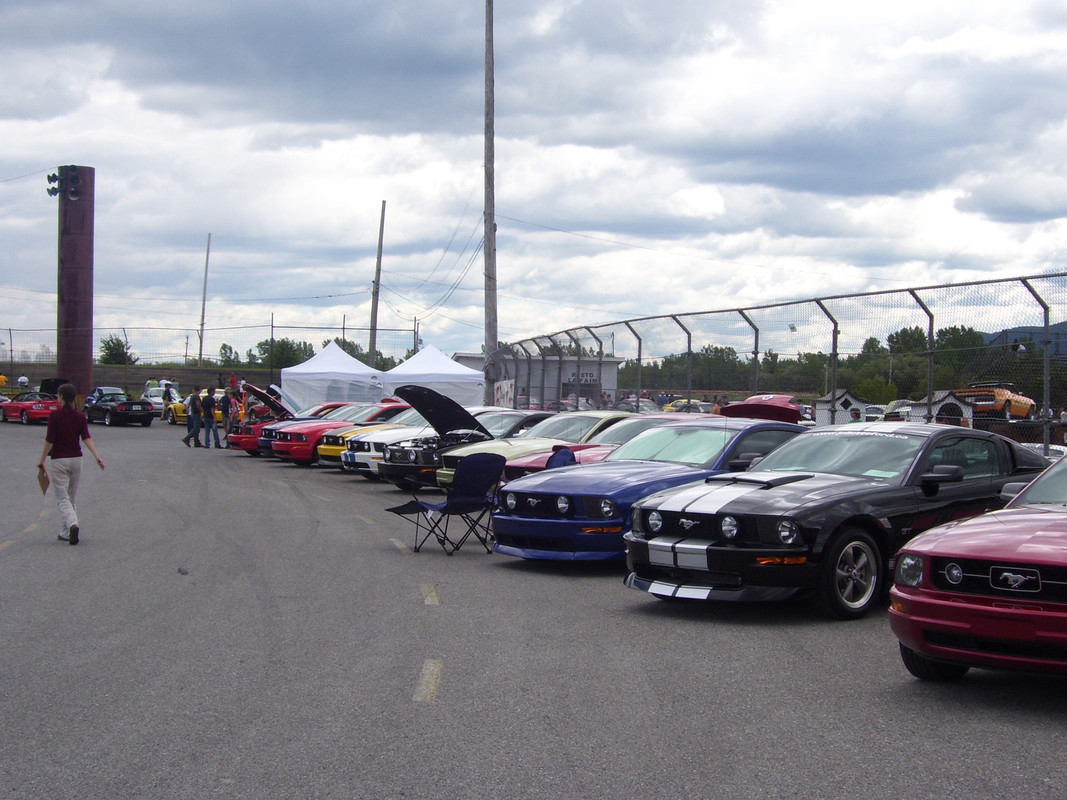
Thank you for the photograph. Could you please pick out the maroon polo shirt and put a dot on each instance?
(66, 428)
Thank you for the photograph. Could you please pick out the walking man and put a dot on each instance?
(67, 429)
(193, 409)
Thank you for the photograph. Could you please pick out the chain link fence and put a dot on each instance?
(880, 346)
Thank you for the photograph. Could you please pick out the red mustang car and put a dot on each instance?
(990, 591)
(299, 441)
(28, 407)
(261, 410)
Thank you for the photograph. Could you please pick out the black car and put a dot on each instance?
(825, 511)
(413, 463)
(118, 409)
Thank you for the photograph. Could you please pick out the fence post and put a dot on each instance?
(755, 351)
(833, 362)
(640, 345)
(688, 358)
(1046, 367)
(929, 355)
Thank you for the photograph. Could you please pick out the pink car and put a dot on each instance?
(990, 591)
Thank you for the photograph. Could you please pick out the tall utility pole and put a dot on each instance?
(490, 202)
(203, 303)
(76, 188)
(373, 346)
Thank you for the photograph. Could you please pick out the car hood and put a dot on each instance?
(583, 454)
(443, 413)
(763, 493)
(608, 478)
(1029, 534)
(509, 448)
(265, 399)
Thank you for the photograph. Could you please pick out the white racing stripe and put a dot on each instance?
(705, 499)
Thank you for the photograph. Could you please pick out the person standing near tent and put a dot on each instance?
(67, 429)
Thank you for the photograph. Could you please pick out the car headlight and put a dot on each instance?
(511, 501)
(413, 456)
(563, 504)
(729, 527)
(655, 522)
(788, 531)
(909, 570)
(608, 509)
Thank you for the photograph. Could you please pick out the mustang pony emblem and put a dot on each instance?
(688, 523)
(1014, 579)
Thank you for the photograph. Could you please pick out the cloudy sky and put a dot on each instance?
(651, 157)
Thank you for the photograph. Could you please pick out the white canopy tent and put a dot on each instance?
(329, 375)
(433, 369)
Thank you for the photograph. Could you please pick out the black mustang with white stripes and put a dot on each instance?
(826, 511)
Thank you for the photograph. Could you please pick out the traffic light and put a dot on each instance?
(66, 179)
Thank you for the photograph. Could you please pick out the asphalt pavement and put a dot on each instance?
(235, 627)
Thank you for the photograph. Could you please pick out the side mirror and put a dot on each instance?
(943, 473)
(1009, 490)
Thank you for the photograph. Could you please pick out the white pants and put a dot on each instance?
(65, 475)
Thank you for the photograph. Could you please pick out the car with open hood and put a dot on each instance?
(826, 511)
(580, 512)
(269, 432)
(411, 460)
(257, 409)
(988, 592)
(568, 427)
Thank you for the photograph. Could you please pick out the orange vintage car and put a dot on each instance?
(997, 399)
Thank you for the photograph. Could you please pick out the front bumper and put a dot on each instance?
(555, 540)
(979, 631)
(704, 570)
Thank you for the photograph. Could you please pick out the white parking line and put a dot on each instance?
(429, 595)
(403, 548)
(429, 681)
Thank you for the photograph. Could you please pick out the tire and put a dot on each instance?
(851, 577)
(108, 419)
(169, 416)
(25, 418)
(926, 669)
(3, 416)
(146, 423)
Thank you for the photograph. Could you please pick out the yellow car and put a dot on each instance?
(335, 442)
(175, 413)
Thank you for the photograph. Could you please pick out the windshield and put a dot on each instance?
(566, 427)
(627, 429)
(867, 454)
(695, 446)
(1049, 489)
(410, 418)
(498, 422)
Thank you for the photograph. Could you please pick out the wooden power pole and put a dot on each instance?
(490, 205)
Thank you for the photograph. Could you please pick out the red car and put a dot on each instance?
(299, 441)
(261, 409)
(28, 407)
(990, 591)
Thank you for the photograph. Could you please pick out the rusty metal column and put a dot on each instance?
(74, 332)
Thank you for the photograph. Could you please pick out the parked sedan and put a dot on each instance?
(570, 427)
(826, 511)
(988, 592)
(118, 409)
(334, 443)
(580, 512)
(27, 407)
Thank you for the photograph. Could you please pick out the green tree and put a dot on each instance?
(116, 350)
(907, 340)
(228, 357)
(286, 352)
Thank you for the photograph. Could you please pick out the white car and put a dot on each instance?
(155, 397)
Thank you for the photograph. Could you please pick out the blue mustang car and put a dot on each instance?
(580, 512)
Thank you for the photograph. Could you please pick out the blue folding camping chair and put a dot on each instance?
(470, 498)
